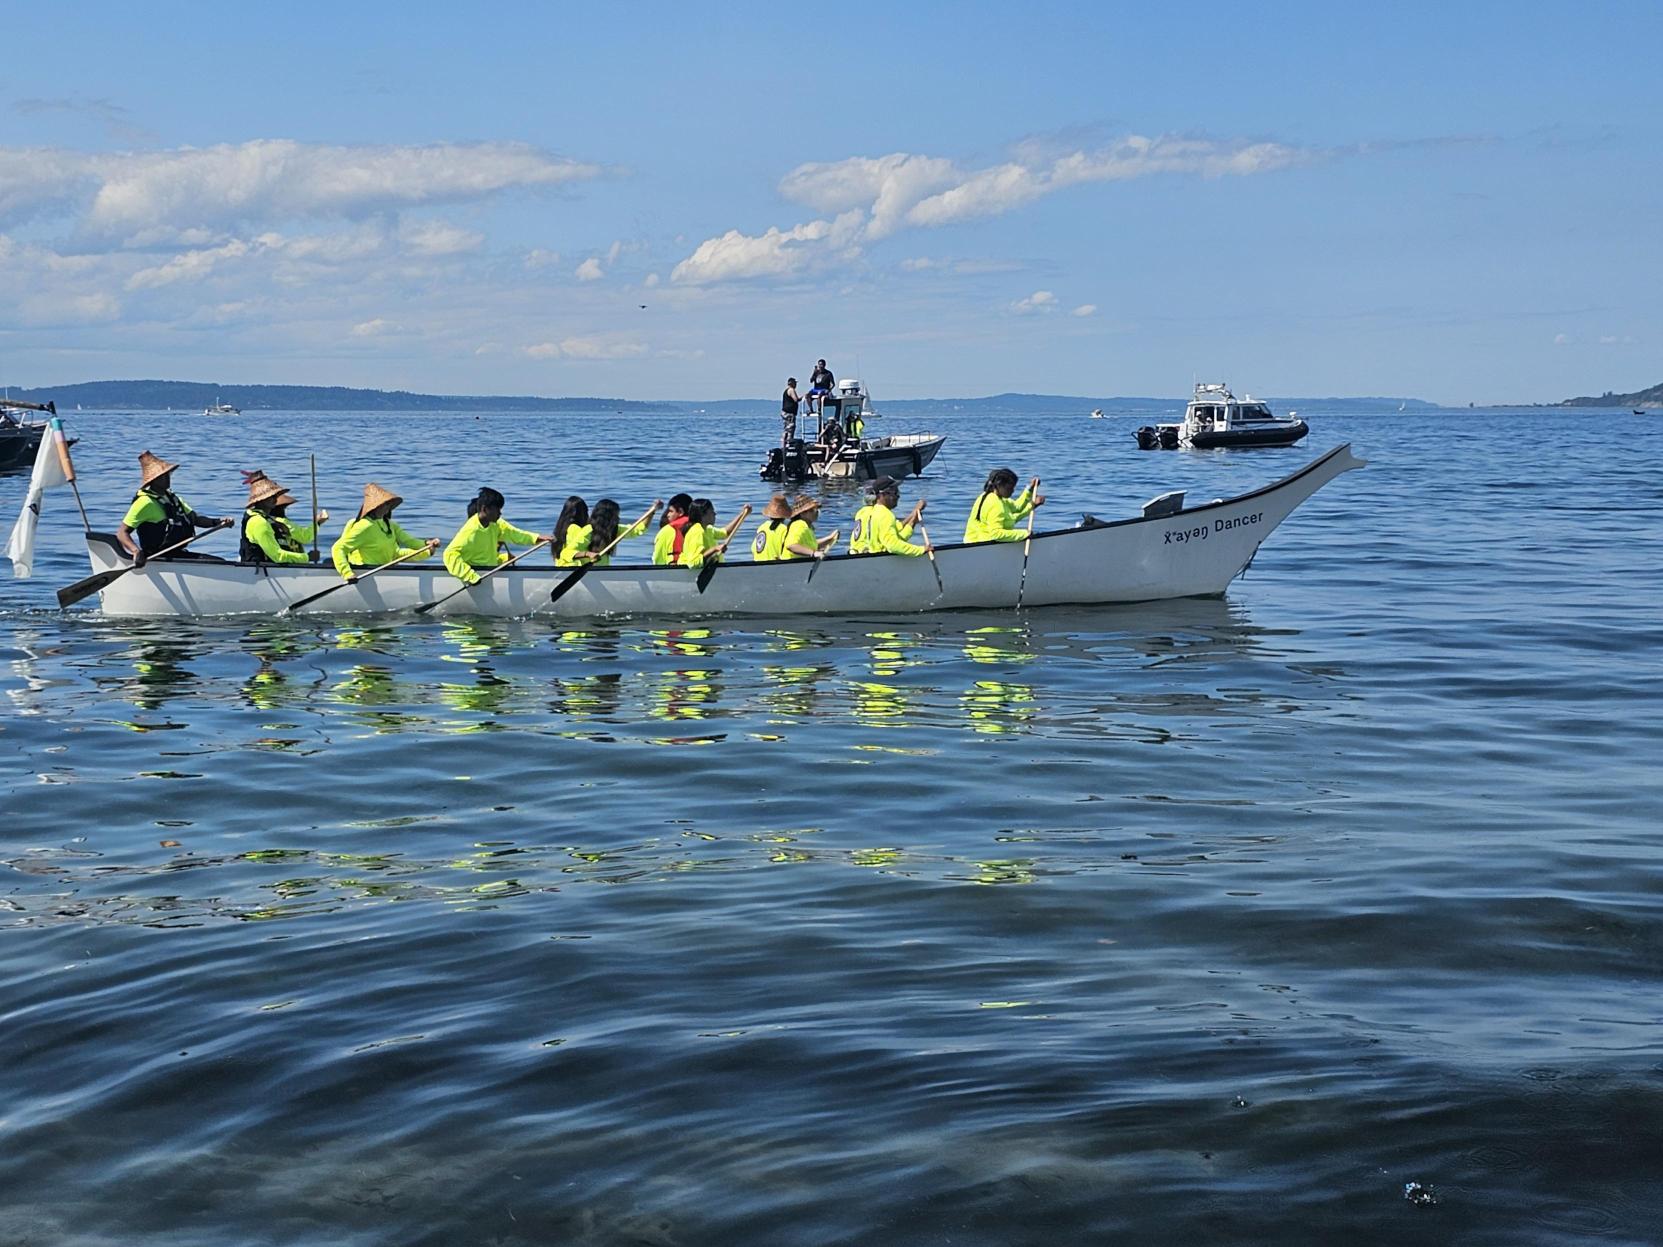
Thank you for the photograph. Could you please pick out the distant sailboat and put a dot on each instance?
(1401, 406)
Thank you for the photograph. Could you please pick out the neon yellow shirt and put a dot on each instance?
(877, 531)
(664, 545)
(576, 543)
(995, 519)
(475, 545)
(146, 510)
(768, 546)
(370, 543)
(801, 533)
(697, 542)
(257, 527)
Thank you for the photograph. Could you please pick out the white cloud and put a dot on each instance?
(1561, 339)
(190, 266)
(919, 264)
(590, 270)
(1085, 309)
(436, 238)
(875, 197)
(614, 251)
(1038, 301)
(586, 348)
(373, 328)
(538, 258)
(651, 281)
(1612, 339)
(155, 195)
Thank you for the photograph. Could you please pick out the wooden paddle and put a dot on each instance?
(484, 576)
(577, 574)
(713, 559)
(824, 547)
(1027, 544)
(86, 587)
(925, 533)
(315, 524)
(292, 607)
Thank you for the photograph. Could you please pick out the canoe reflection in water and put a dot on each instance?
(993, 705)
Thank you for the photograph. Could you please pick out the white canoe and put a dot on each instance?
(1194, 552)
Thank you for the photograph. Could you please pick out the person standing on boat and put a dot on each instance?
(996, 514)
(477, 544)
(158, 517)
(820, 383)
(855, 424)
(374, 538)
(672, 530)
(266, 538)
(788, 412)
(703, 537)
(877, 531)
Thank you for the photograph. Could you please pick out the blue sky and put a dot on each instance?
(1459, 202)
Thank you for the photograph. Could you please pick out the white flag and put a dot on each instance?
(50, 470)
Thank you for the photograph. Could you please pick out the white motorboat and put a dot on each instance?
(221, 409)
(834, 455)
(1169, 551)
(1216, 419)
(1096, 413)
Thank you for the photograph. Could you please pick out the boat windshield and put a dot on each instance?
(1256, 411)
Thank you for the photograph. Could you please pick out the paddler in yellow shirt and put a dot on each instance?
(581, 534)
(996, 514)
(373, 538)
(787, 531)
(877, 531)
(475, 547)
(703, 539)
(267, 535)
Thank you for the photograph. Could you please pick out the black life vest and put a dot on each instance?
(249, 552)
(174, 526)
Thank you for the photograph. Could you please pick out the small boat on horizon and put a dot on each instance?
(1096, 413)
(1216, 419)
(221, 409)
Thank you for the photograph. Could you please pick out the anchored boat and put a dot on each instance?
(20, 435)
(221, 409)
(835, 454)
(1216, 419)
(1169, 551)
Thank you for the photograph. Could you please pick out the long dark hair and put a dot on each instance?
(703, 511)
(603, 521)
(995, 479)
(576, 511)
(681, 502)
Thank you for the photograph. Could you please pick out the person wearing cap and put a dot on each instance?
(703, 539)
(158, 517)
(996, 514)
(476, 546)
(877, 531)
(374, 538)
(784, 534)
(265, 537)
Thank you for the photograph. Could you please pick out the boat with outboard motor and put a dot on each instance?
(834, 454)
(221, 409)
(1216, 419)
(1169, 551)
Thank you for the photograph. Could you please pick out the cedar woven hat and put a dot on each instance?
(261, 487)
(152, 467)
(777, 509)
(375, 496)
(803, 505)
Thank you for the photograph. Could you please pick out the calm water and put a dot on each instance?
(1210, 921)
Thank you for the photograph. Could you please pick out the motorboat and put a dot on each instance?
(1096, 413)
(1167, 551)
(221, 409)
(20, 434)
(833, 455)
(1216, 419)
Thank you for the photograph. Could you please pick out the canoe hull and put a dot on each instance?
(1193, 552)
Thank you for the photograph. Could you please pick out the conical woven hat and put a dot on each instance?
(261, 487)
(375, 496)
(152, 466)
(778, 508)
(803, 505)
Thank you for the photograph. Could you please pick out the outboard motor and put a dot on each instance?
(1148, 439)
(1169, 437)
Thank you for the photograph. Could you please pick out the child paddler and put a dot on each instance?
(786, 531)
(475, 548)
(703, 538)
(580, 534)
(267, 535)
(996, 514)
(877, 531)
(159, 518)
(374, 537)
(672, 530)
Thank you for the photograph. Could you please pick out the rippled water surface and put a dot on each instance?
(1203, 921)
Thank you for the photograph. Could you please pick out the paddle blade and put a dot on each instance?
(707, 573)
(561, 589)
(71, 594)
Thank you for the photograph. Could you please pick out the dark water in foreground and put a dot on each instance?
(1210, 921)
